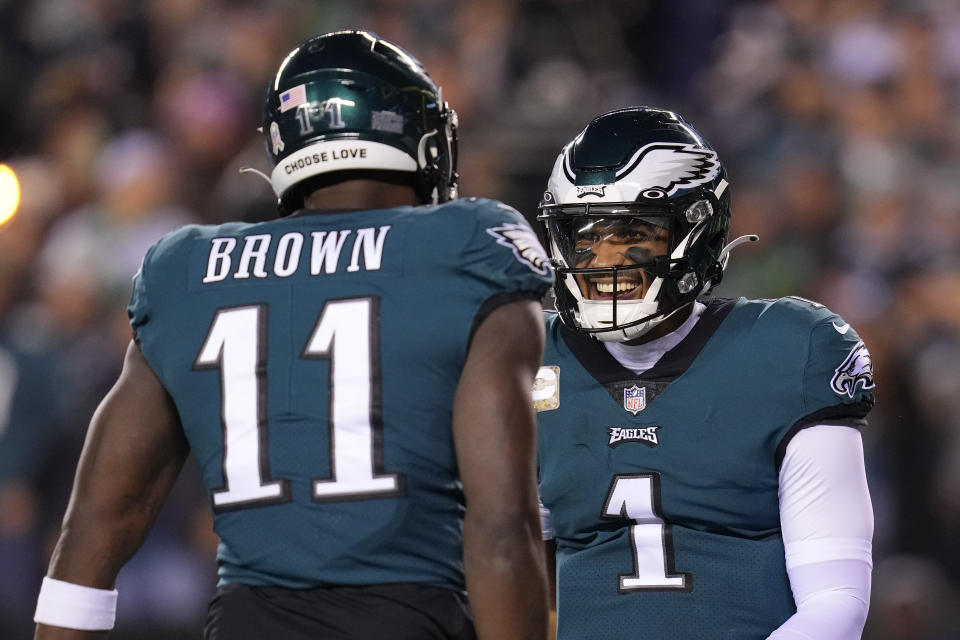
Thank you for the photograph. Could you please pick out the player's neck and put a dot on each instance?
(638, 357)
(669, 325)
(362, 194)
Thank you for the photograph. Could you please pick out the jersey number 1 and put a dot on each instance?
(636, 497)
(347, 333)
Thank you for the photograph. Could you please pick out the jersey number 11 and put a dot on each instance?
(346, 333)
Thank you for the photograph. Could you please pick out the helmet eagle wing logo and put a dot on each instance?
(670, 166)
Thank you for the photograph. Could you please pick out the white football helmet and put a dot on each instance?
(645, 179)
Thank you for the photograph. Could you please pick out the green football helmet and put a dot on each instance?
(348, 102)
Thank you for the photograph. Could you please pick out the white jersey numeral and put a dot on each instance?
(236, 345)
(636, 497)
(347, 334)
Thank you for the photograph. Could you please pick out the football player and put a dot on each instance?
(700, 461)
(353, 383)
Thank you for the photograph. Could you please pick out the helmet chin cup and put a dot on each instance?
(594, 315)
(633, 318)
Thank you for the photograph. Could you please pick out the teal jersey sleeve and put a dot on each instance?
(836, 383)
(837, 376)
(503, 251)
(838, 379)
(141, 308)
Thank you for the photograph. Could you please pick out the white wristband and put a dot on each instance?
(73, 606)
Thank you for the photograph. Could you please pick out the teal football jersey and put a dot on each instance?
(313, 361)
(662, 488)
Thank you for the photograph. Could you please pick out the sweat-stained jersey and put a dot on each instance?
(662, 488)
(313, 360)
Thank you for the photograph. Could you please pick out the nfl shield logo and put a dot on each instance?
(635, 399)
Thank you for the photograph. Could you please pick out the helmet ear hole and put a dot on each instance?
(698, 211)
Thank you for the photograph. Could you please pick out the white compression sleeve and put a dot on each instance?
(827, 523)
(832, 600)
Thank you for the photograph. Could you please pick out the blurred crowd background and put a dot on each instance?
(839, 123)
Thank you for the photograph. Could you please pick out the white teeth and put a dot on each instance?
(604, 287)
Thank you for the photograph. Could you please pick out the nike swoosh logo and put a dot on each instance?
(841, 328)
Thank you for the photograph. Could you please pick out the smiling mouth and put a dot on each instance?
(627, 289)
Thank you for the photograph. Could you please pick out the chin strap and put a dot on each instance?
(724, 256)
